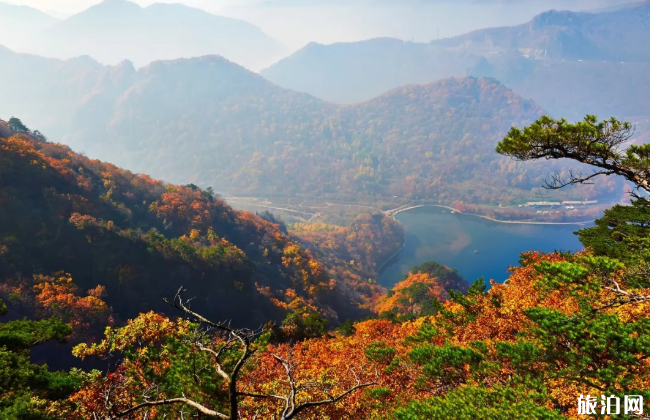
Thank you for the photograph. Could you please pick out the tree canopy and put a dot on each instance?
(601, 144)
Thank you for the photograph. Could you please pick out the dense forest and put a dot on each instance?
(413, 142)
(86, 245)
(78, 224)
(354, 254)
(134, 285)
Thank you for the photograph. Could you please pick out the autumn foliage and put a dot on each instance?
(354, 253)
(562, 325)
(132, 234)
(58, 296)
(531, 335)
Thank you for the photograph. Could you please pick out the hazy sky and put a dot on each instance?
(339, 20)
(62, 8)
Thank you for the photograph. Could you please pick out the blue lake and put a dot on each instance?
(474, 246)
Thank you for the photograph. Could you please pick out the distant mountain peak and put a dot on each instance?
(120, 3)
(111, 7)
(557, 18)
(24, 9)
(115, 30)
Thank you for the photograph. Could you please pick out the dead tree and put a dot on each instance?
(243, 340)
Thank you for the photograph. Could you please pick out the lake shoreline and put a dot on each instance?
(435, 234)
(399, 210)
(392, 257)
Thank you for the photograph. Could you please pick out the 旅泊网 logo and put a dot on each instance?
(630, 404)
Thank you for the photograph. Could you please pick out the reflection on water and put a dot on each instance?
(474, 246)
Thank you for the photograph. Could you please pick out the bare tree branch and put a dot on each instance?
(292, 409)
(575, 177)
(202, 409)
(243, 338)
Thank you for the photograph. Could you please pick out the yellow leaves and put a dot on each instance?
(291, 294)
(316, 268)
(314, 227)
(286, 262)
(364, 171)
(292, 250)
(81, 351)
(147, 327)
(195, 234)
(631, 313)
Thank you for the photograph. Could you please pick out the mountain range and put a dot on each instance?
(298, 22)
(618, 35)
(211, 122)
(424, 126)
(115, 30)
(569, 63)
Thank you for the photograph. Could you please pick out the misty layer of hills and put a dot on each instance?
(210, 121)
(118, 29)
(569, 63)
(298, 22)
(18, 23)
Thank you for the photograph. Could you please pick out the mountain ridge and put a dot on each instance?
(568, 72)
(282, 128)
(132, 235)
(115, 30)
(569, 35)
(212, 122)
(21, 22)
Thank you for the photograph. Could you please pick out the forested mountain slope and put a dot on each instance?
(140, 238)
(211, 122)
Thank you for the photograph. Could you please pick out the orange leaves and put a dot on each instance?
(492, 320)
(58, 296)
(334, 364)
(354, 253)
(501, 314)
(401, 300)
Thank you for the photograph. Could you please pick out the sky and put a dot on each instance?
(344, 21)
(64, 8)
(295, 27)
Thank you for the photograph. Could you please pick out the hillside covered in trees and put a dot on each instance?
(250, 137)
(354, 254)
(213, 123)
(75, 224)
(86, 245)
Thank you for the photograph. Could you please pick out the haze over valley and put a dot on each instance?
(211, 122)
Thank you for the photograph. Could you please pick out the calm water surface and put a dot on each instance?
(435, 234)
